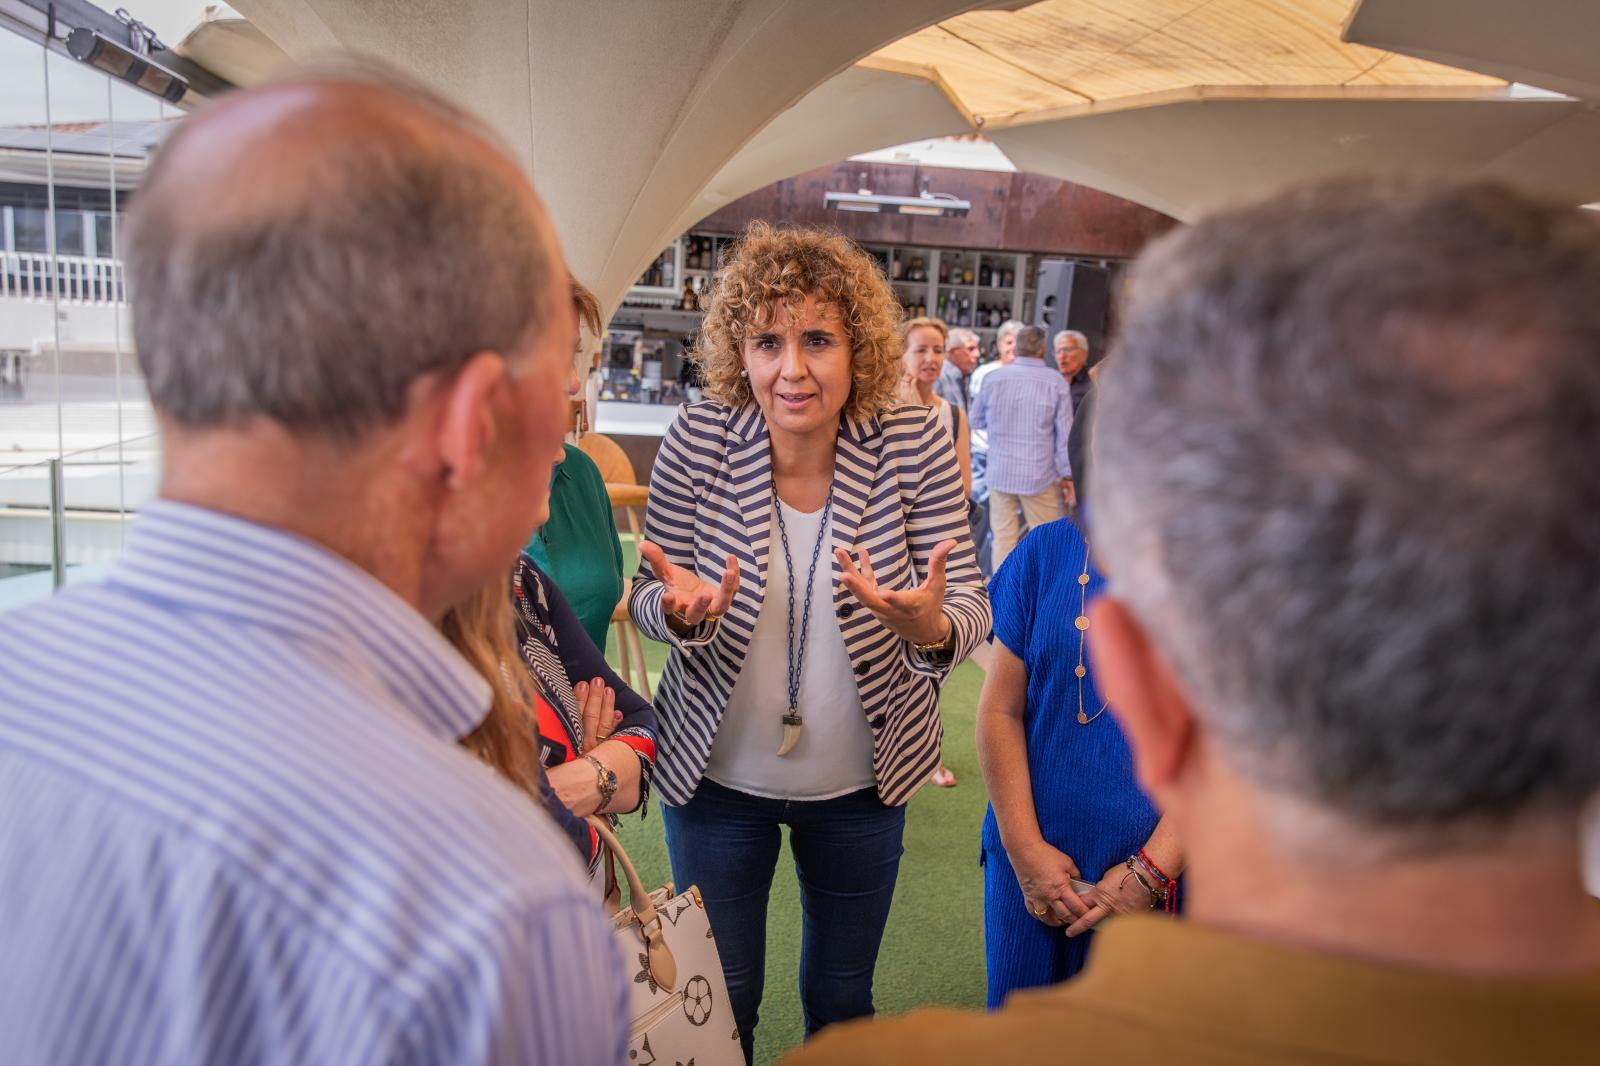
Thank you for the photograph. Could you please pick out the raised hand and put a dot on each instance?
(686, 600)
(915, 614)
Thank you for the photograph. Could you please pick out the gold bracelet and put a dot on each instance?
(945, 643)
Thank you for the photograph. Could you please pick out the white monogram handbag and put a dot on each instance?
(680, 1010)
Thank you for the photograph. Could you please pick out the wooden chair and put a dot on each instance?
(630, 647)
(629, 500)
(615, 467)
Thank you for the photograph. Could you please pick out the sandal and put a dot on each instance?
(944, 777)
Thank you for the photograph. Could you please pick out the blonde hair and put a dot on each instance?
(584, 302)
(906, 391)
(923, 323)
(483, 629)
(772, 267)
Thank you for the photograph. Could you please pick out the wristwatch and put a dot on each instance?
(605, 778)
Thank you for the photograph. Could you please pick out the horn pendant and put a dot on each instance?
(791, 732)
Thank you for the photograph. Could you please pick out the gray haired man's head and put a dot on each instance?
(310, 270)
(1346, 477)
(1030, 342)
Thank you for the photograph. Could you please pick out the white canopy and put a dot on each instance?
(624, 110)
(639, 117)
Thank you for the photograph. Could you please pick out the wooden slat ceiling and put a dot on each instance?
(1060, 54)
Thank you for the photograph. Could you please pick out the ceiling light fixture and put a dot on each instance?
(931, 204)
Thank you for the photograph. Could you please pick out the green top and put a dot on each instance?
(578, 546)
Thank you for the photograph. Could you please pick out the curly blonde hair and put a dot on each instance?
(771, 267)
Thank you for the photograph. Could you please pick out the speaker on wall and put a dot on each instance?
(1073, 295)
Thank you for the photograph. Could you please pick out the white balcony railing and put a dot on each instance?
(72, 279)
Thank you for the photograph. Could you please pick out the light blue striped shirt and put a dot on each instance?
(237, 828)
(1026, 408)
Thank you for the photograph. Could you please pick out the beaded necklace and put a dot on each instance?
(1082, 622)
(797, 650)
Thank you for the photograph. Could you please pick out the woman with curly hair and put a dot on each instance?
(808, 560)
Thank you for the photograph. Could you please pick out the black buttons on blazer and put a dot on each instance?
(846, 610)
(863, 666)
(876, 721)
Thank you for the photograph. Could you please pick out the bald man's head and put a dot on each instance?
(306, 250)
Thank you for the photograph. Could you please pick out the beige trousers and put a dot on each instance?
(1037, 509)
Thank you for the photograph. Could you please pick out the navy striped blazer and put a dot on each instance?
(896, 492)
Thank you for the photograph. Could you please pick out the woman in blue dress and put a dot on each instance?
(1064, 802)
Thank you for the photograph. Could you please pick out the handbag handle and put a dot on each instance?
(663, 967)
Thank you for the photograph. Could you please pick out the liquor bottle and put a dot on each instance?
(899, 269)
(983, 275)
(687, 301)
(944, 271)
(941, 305)
(966, 275)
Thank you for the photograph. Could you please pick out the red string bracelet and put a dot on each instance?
(1171, 887)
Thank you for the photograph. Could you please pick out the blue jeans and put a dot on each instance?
(846, 854)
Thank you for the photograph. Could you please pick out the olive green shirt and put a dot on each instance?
(1159, 990)
(578, 547)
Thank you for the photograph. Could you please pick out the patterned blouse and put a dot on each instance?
(558, 653)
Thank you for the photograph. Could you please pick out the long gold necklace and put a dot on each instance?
(1082, 622)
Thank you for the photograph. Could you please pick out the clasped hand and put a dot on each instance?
(1044, 876)
(574, 781)
(1118, 892)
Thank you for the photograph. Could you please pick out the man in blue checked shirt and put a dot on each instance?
(238, 826)
(1026, 409)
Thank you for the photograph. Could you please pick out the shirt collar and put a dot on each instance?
(561, 472)
(215, 563)
(1028, 360)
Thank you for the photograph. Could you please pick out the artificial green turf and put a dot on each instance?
(933, 948)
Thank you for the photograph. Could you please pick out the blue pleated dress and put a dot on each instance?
(1088, 803)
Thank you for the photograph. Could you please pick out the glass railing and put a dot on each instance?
(64, 519)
